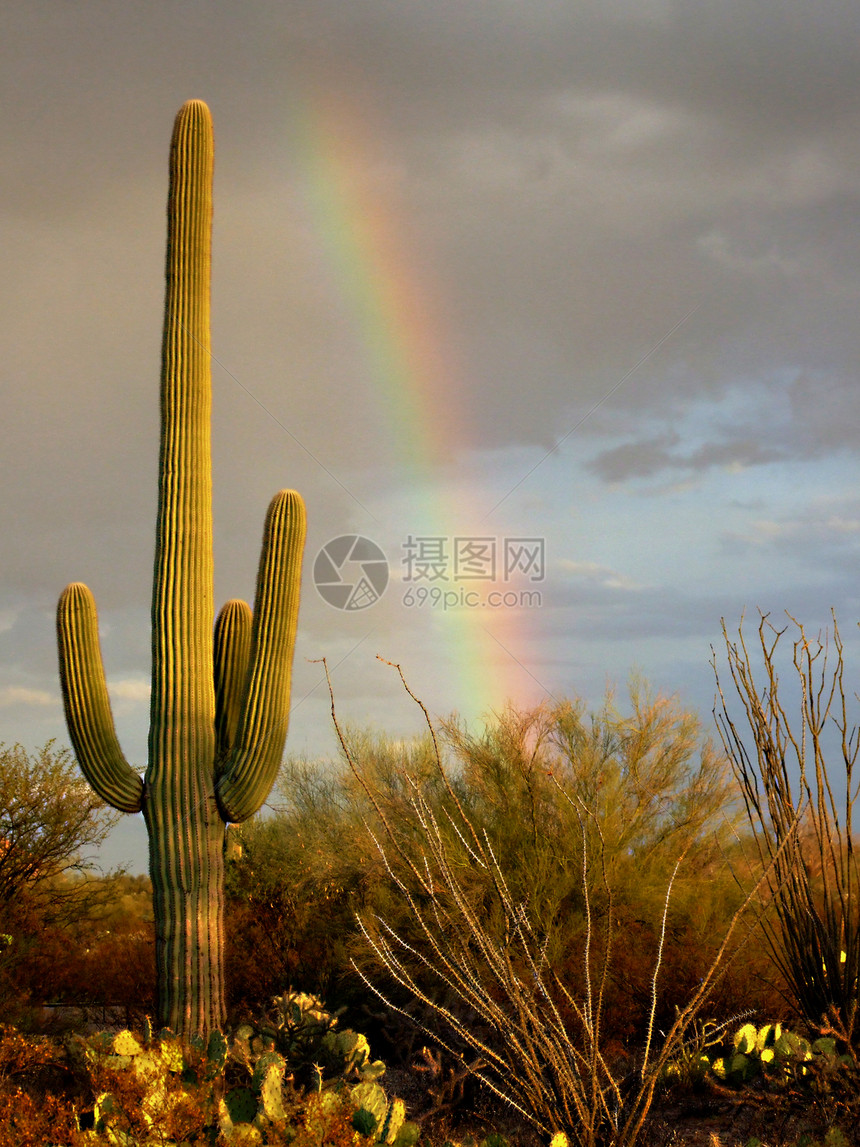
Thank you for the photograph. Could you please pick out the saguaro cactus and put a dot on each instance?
(220, 703)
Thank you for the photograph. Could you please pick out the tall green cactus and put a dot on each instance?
(220, 705)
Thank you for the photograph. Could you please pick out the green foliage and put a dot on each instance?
(494, 1139)
(832, 1138)
(656, 787)
(49, 818)
(50, 821)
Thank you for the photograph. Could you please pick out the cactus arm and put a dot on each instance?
(253, 764)
(85, 698)
(232, 654)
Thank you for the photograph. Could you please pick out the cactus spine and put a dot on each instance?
(220, 705)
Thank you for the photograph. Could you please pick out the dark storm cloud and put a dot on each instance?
(588, 177)
(646, 459)
(804, 418)
(571, 181)
(588, 608)
(780, 65)
(579, 175)
(563, 182)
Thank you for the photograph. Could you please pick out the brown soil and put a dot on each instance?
(711, 1118)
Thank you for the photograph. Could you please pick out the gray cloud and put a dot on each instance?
(824, 534)
(571, 181)
(645, 459)
(551, 187)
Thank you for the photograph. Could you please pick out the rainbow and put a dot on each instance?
(416, 384)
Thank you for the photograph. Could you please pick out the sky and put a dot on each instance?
(554, 303)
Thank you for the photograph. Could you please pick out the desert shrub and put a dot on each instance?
(26, 1121)
(290, 900)
(49, 820)
(534, 1040)
(117, 971)
(656, 787)
(295, 880)
(103, 958)
(37, 1092)
(49, 817)
(800, 769)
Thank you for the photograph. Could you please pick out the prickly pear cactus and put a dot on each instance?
(394, 1119)
(386, 1119)
(770, 1052)
(158, 1068)
(299, 1031)
(173, 1072)
(370, 1097)
(304, 1032)
(348, 1054)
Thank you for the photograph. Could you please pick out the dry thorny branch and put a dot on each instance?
(537, 1047)
(815, 939)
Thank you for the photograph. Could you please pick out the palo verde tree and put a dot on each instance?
(219, 707)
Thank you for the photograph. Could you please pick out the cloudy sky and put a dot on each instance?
(570, 283)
